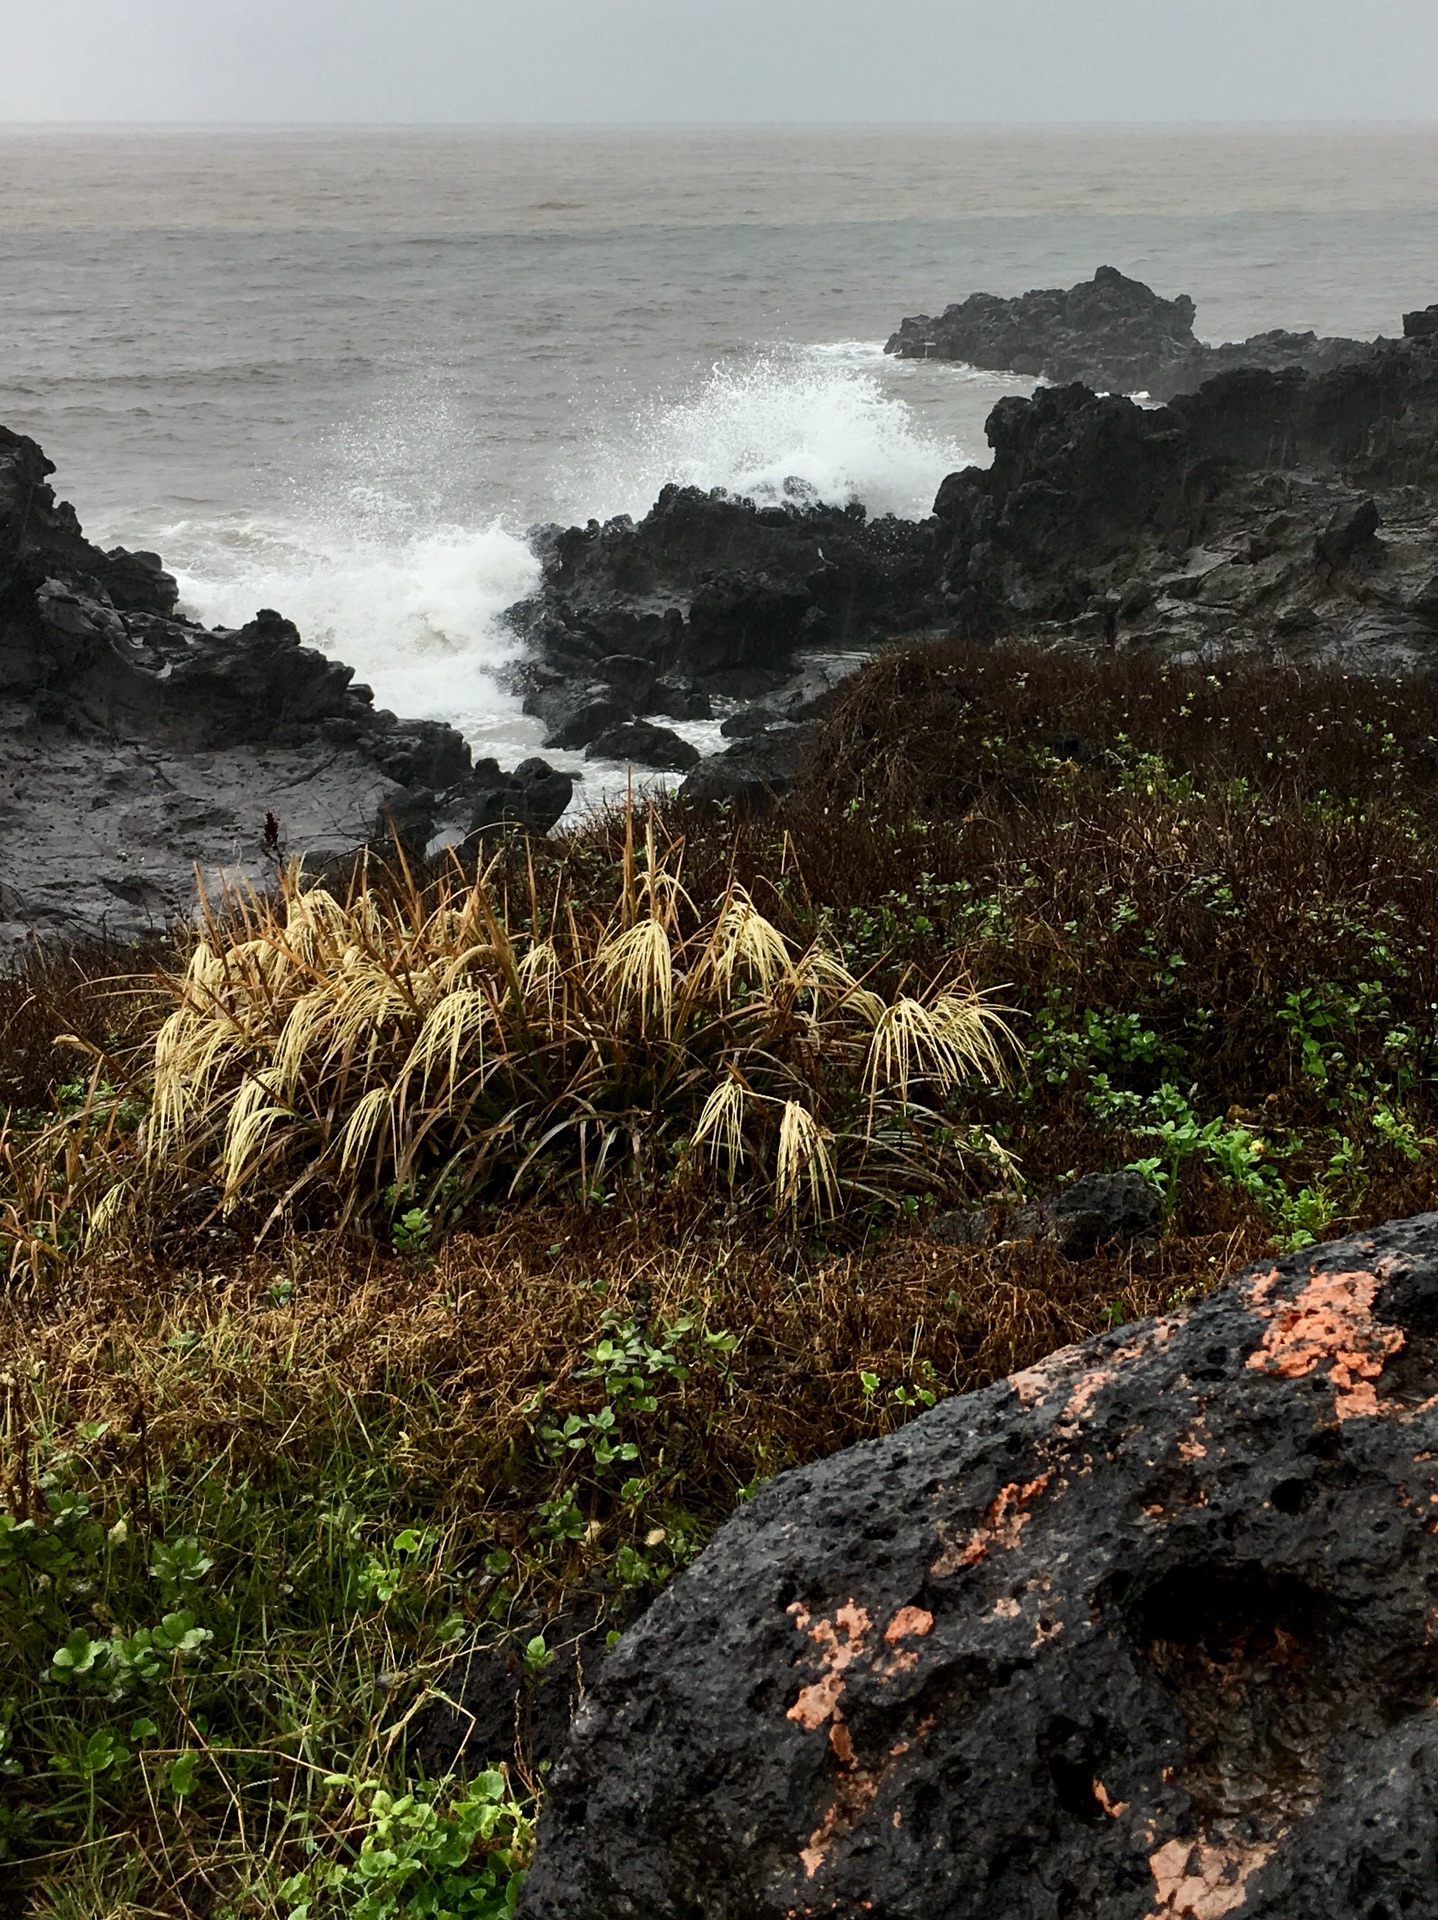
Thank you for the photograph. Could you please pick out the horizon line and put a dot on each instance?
(1277, 125)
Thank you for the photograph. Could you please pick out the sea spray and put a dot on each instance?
(417, 616)
(783, 427)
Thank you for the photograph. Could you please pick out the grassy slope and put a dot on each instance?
(1211, 898)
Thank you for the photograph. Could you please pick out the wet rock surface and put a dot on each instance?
(1112, 333)
(1092, 1212)
(1146, 1631)
(711, 601)
(136, 746)
(1285, 506)
(1286, 513)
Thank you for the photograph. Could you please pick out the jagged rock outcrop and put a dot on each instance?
(1285, 511)
(136, 746)
(1111, 333)
(1147, 1631)
(1280, 507)
(706, 597)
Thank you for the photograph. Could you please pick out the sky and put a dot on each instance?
(676, 62)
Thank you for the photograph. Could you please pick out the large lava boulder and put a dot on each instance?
(1150, 1630)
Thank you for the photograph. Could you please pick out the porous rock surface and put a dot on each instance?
(136, 746)
(1112, 333)
(1148, 1631)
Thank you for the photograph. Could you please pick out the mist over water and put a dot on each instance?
(341, 375)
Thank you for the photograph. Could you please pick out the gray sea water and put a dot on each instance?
(340, 373)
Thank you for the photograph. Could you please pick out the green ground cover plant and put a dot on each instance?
(282, 1434)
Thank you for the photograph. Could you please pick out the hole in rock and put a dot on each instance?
(1074, 1756)
(1246, 1656)
(1293, 1496)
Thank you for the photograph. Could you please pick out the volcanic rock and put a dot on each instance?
(753, 772)
(534, 795)
(1145, 1631)
(1241, 517)
(138, 746)
(707, 585)
(646, 744)
(1350, 529)
(1087, 1214)
(1112, 333)
(1103, 1207)
(573, 715)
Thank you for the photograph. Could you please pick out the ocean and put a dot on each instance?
(340, 372)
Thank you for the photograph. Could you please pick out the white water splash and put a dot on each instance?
(813, 425)
(417, 616)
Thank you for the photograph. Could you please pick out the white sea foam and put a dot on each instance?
(416, 616)
(820, 418)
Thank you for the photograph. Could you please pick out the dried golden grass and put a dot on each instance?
(454, 1041)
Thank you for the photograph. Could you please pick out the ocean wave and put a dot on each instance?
(816, 424)
(418, 613)
(417, 616)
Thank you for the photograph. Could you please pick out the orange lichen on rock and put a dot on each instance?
(1031, 1386)
(855, 1794)
(841, 1641)
(1199, 1882)
(1081, 1400)
(908, 1622)
(1003, 1523)
(1331, 1321)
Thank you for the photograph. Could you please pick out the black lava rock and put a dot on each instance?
(1104, 1207)
(1349, 529)
(645, 744)
(535, 795)
(575, 715)
(1114, 334)
(136, 746)
(753, 773)
(1147, 1631)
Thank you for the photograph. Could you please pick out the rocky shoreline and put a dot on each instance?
(140, 749)
(1283, 506)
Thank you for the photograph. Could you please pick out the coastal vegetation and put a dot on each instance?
(435, 1263)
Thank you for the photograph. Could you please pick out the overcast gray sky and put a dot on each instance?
(683, 61)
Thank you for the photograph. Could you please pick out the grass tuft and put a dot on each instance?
(455, 1044)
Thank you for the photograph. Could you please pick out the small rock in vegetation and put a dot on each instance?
(1103, 1207)
(1088, 1214)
